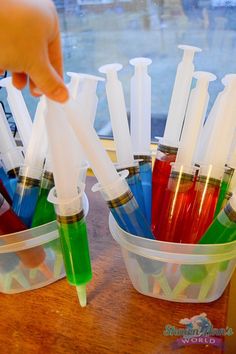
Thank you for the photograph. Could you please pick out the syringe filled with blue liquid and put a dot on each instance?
(120, 128)
(140, 119)
(113, 187)
(11, 155)
(26, 195)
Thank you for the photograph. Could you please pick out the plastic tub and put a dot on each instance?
(174, 271)
(15, 275)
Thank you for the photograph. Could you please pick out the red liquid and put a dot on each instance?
(202, 211)
(10, 223)
(4, 192)
(160, 178)
(175, 209)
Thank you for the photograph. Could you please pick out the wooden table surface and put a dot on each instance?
(117, 319)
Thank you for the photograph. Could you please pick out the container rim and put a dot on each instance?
(172, 252)
(35, 236)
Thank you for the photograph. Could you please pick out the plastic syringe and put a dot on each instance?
(179, 98)
(19, 111)
(170, 223)
(68, 202)
(26, 194)
(114, 188)
(118, 115)
(168, 145)
(84, 86)
(120, 128)
(213, 160)
(140, 115)
(11, 155)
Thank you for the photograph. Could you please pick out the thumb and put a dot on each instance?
(46, 80)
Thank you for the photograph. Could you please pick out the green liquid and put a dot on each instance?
(75, 249)
(223, 191)
(44, 211)
(222, 230)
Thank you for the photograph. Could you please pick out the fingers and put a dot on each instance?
(19, 80)
(46, 79)
(55, 54)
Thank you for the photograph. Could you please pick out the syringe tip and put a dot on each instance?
(81, 292)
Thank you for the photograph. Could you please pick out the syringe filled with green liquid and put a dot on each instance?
(68, 202)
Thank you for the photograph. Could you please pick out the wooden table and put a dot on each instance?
(117, 319)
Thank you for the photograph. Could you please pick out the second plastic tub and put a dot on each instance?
(174, 271)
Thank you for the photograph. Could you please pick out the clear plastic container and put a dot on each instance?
(16, 277)
(190, 273)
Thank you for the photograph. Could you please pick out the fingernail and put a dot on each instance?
(61, 94)
(37, 91)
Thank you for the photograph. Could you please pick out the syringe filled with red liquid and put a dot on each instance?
(213, 161)
(168, 146)
(181, 185)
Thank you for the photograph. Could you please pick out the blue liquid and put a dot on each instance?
(131, 219)
(9, 183)
(135, 185)
(146, 180)
(24, 202)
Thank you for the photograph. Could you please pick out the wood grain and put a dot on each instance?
(117, 319)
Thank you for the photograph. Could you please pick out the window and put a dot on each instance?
(97, 32)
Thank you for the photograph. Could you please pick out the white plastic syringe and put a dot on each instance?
(68, 202)
(118, 115)
(11, 155)
(222, 132)
(140, 107)
(195, 116)
(37, 147)
(19, 111)
(179, 99)
(84, 86)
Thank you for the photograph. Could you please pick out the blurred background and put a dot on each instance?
(97, 32)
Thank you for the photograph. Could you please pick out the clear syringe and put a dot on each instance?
(19, 111)
(213, 161)
(120, 128)
(168, 145)
(180, 189)
(11, 155)
(140, 126)
(68, 202)
(114, 188)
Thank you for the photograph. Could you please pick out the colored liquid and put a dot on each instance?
(222, 230)
(175, 209)
(75, 249)
(146, 180)
(135, 185)
(44, 211)
(223, 191)
(10, 223)
(24, 202)
(131, 219)
(9, 183)
(202, 211)
(160, 178)
(4, 192)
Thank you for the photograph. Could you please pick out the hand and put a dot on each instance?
(30, 46)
